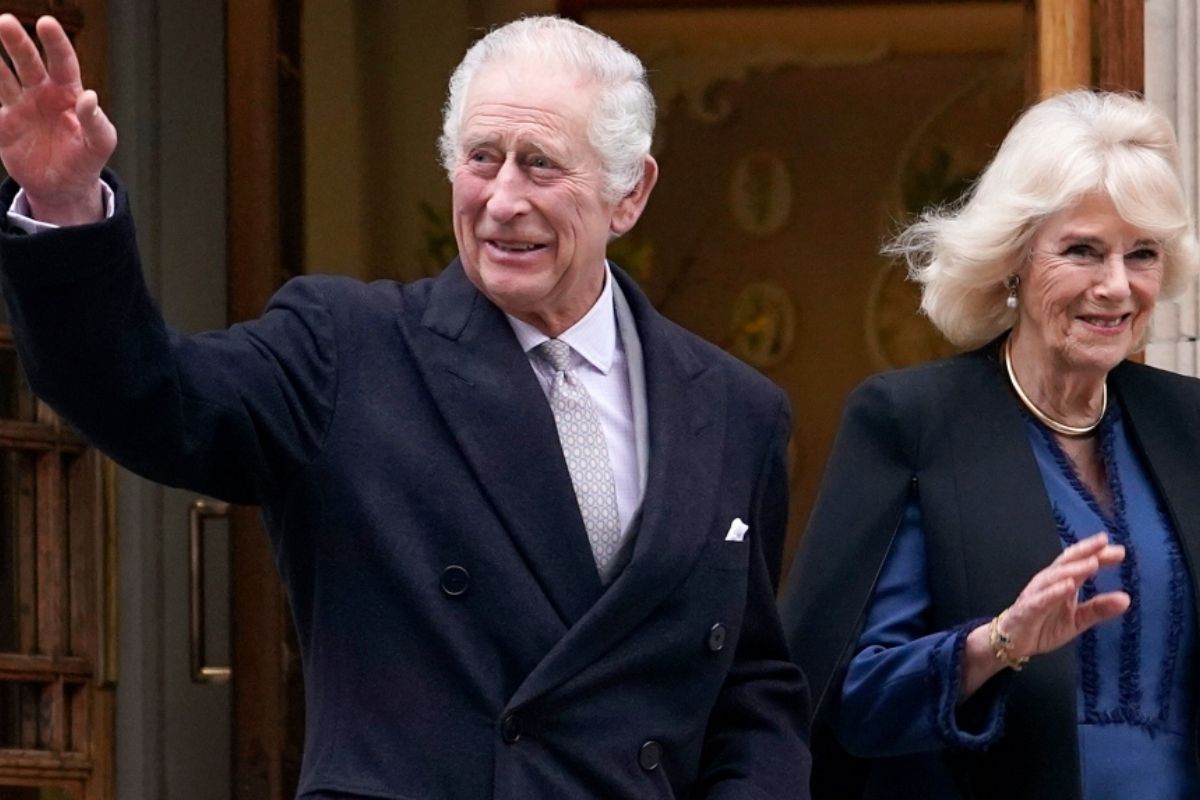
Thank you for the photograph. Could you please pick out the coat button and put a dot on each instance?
(510, 728)
(455, 580)
(716, 638)
(650, 755)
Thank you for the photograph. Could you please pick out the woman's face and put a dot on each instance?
(1089, 287)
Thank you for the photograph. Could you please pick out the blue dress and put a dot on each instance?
(1135, 698)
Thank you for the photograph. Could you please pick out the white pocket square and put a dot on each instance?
(737, 530)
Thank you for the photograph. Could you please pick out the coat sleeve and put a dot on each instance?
(228, 413)
(756, 747)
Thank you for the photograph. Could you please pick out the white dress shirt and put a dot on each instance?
(20, 215)
(598, 361)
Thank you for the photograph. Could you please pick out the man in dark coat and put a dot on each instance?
(529, 529)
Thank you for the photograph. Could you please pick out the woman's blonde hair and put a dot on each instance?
(1068, 146)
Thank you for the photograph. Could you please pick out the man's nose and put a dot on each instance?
(510, 192)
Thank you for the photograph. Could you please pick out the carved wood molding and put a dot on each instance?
(577, 9)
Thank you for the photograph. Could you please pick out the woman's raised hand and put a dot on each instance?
(54, 139)
(1047, 613)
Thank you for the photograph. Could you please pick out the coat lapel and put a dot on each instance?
(485, 390)
(1008, 530)
(686, 406)
(1166, 429)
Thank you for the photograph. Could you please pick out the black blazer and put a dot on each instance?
(456, 640)
(952, 431)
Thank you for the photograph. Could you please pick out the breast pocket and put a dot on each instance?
(730, 547)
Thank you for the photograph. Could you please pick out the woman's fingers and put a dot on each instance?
(1111, 555)
(1082, 565)
(1099, 609)
(1080, 551)
(1083, 548)
(1046, 600)
(1047, 614)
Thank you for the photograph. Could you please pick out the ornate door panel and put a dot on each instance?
(57, 636)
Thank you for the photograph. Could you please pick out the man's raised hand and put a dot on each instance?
(54, 139)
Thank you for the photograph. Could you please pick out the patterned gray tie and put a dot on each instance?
(586, 453)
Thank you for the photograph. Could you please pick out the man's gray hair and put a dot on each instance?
(622, 122)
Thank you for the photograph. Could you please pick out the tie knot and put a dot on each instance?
(557, 353)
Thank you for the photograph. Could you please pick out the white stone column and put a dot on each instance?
(1173, 84)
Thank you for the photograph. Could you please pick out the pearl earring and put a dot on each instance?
(1012, 282)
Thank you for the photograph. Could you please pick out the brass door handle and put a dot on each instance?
(198, 513)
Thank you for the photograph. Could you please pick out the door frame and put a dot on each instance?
(266, 246)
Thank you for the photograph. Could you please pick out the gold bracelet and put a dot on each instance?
(1001, 645)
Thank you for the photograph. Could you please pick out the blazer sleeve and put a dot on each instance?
(756, 745)
(228, 413)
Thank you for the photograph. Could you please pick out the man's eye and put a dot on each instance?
(540, 162)
(480, 157)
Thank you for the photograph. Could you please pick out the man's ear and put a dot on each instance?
(630, 207)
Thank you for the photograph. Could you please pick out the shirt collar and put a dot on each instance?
(594, 336)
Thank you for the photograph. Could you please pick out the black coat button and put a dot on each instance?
(716, 638)
(650, 755)
(455, 580)
(510, 728)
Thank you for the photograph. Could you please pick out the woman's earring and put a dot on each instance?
(1012, 282)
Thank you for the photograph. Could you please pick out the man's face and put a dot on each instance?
(530, 215)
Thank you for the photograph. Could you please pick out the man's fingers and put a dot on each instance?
(98, 131)
(10, 89)
(23, 52)
(61, 61)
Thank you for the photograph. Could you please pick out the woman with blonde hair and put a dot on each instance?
(995, 594)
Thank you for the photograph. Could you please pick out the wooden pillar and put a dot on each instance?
(1063, 42)
(255, 272)
(1120, 26)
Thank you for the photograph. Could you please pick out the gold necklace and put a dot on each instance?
(1072, 431)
